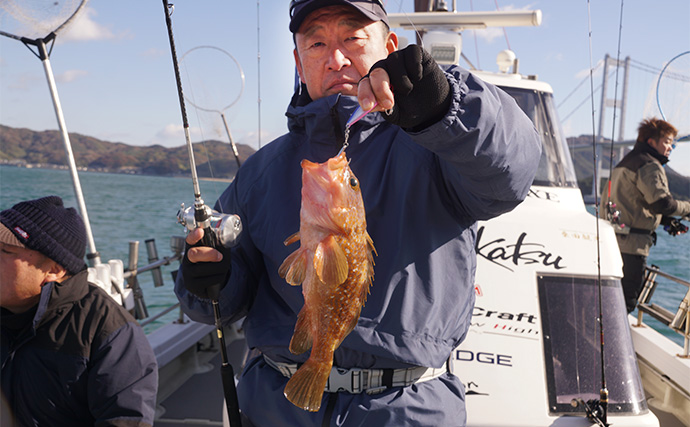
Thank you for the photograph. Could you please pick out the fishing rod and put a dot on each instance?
(596, 410)
(220, 230)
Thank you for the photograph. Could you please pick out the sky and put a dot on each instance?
(115, 77)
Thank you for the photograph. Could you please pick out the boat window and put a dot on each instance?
(555, 166)
(572, 350)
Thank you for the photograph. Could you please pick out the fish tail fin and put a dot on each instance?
(305, 389)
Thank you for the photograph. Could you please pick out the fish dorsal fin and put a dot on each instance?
(294, 268)
(370, 243)
(301, 340)
(370, 268)
(330, 262)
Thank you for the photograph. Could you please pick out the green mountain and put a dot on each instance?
(24, 146)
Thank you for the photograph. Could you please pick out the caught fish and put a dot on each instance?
(334, 265)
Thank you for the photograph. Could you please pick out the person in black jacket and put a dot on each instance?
(639, 191)
(71, 356)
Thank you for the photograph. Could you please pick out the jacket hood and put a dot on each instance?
(322, 122)
(644, 147)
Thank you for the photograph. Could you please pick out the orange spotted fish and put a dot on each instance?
(334, 265)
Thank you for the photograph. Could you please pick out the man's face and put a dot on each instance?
(336, 46)
(663, 145)
(22, 274)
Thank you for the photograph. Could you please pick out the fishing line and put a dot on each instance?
(505, 33)
(213, 183)
(198, 119)
(583, 81)
(258, 71)
(587, 98)
(615, 99)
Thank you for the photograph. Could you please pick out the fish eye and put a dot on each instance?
(353, 182)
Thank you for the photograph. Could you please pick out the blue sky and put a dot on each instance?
(115, 78)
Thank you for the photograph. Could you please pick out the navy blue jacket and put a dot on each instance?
(81, 361)
(423, 193)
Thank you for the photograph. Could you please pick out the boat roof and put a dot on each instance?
(514, 80)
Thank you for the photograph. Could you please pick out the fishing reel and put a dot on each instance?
(220, 229)
(613, 214)
(595, 410)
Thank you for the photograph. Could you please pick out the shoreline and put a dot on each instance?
(108, 171)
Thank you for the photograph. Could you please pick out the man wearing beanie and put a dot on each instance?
(71, 356)
(439, 151)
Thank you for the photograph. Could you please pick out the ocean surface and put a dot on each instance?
(124, 208)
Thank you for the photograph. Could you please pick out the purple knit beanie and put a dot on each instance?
(46, 226)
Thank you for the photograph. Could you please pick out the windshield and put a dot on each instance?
(572, 350)
(555, 166)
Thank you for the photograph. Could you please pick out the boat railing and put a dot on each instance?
(678, 321)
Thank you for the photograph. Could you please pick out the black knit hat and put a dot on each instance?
(46, 226)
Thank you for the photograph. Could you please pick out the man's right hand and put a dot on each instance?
(205, 270)
(200, 253)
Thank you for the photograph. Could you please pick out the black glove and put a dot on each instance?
(675, 227)
(422, 93)
(206, 279)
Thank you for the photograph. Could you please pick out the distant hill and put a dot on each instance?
(45, 149)
(678, 184)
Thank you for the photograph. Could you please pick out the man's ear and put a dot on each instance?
(56, 273)
(391, 42)
(298, 64)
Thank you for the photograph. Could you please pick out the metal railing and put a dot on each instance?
(678, 321)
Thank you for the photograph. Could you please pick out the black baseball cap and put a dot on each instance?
(299, 9)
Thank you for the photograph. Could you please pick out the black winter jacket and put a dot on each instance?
(81, 360)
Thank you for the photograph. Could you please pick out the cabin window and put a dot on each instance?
(572, 350)
(555, 165)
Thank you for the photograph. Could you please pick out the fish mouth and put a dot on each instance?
(318, 174)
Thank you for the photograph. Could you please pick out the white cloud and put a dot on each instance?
(154, 53)
(490, 34)
(25, 81)
(597, 71)
(70, 76)
(172, 135)
(85, 28)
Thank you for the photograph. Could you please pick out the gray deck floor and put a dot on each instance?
(198, 402)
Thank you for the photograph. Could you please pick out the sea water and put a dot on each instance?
(121, 209)
(124, 208)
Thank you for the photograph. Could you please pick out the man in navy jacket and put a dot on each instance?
(71, 356)
(441, 150)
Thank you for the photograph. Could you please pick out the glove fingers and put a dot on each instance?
(206, 279)
(413, 63)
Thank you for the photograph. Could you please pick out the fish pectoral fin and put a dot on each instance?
(330, 262)
(294, 268)
(301, 339)
(292, 239)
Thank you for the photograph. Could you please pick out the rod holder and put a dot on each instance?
(140, 310)
(153, 257)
